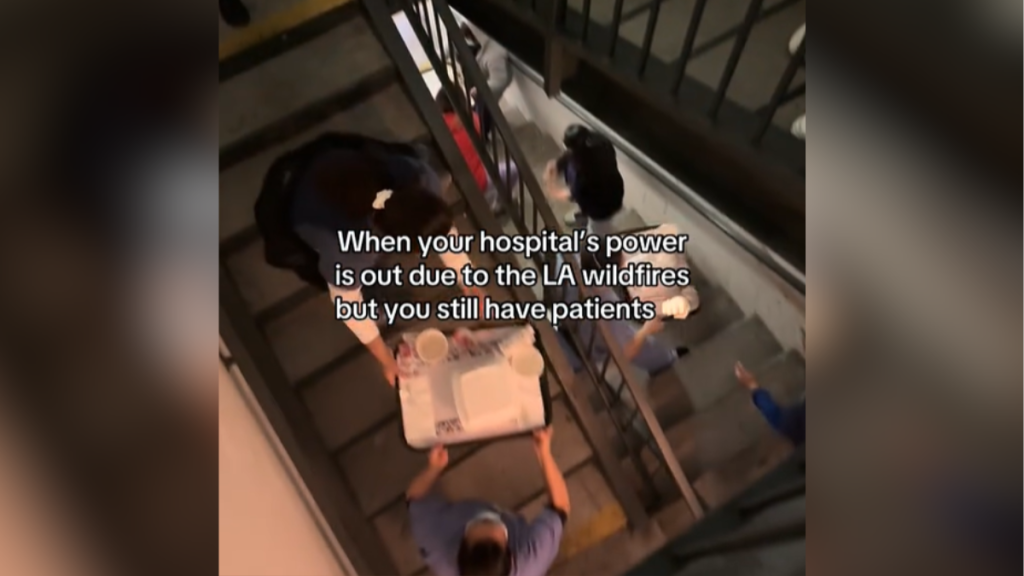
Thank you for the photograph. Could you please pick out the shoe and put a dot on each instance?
(799, 128)
(234, 13)
(797, 39)
(682, 351)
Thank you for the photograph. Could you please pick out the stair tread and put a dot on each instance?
(309, 337)
(717, 487)
(503, 472)
(718, 311)
(710, 438)
(299, 77)
(706, 374)
(349, 400)
(261, 285)
(388, 115)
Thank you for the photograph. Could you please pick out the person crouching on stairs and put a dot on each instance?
(473, 538)
(508, 172)
(349, 182)
(591, 177)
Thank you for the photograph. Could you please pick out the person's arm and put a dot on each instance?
(423, 483)
(554, 179)
(368, 334)
(557, 490)
(540, 547)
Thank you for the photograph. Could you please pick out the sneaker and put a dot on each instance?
(799, 128)
(234, 13)
(797, 39)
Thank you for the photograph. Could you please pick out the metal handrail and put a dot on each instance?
(442, 41)
(787, 273)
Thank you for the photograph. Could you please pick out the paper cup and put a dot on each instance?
(527, 362)
(432, 346)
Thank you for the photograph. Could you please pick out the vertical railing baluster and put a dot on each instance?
(691, 37)
(648, 43)
(795, 61)
(753, 11)
(586, 20)
(441, 36)
(616, 25)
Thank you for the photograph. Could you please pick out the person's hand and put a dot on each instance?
(745, 378)
(438, 458)
(652, 327)
(677, 307)
(390, 368)
(542, 441)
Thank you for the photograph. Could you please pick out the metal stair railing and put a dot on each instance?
(731, 530)
(438, 33)
(572, 29)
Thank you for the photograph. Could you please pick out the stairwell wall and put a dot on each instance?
(754, 287)
(269, 525)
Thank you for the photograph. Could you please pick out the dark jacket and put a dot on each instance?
(282, 247)
(593, 177)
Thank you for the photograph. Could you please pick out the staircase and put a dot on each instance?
(705, 88)
(339, 65)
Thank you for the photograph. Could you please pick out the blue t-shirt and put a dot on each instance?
(438, 526)
(317, 222)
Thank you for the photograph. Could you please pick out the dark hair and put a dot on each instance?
(487, 558)
(351, 182)
(414, 211)
(575, 137)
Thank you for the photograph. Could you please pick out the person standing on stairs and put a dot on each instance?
(473, 538)
(234, 13)
(493, 61)
(508, 173)
(790, 422)
(343, 183)
(592, 180)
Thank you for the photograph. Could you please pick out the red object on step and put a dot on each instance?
(465, 143)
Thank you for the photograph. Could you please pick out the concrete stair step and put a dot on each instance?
(306, 74)
(380, 466)
(718, 311)
(706, 374)
(261, 285)
(712, 437)
(728, 481)
(503, 472)
(309, 338)
(350, 400)
(387, 115)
